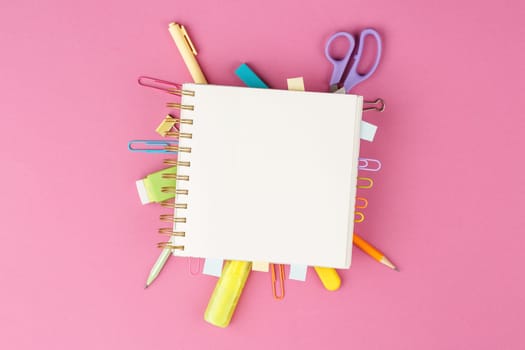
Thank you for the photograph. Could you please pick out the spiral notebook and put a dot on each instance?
(266, 175)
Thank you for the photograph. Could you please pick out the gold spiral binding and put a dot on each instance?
(176, 177)
(180, 92)
(179, 106)
(177, 148)
(173, 190)
(168, 231)
(177, 163)
(169, 245)
(168, 203)
(179, 135)
(171, 218)
(172, 203)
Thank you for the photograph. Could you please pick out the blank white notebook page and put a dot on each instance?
(272, 177)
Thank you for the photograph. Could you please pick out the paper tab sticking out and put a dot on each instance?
(368, 131)
(212, 267)
(298, 272)
(295, 84)
(260, 266)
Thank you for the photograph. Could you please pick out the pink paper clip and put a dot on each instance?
(159, 84)
(191, 265)
(364, 164)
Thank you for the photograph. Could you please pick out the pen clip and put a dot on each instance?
(188, 40)
(141, 146)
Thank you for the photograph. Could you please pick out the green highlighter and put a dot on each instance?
(158, 186)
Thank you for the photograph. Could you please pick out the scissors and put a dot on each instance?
(354, 77)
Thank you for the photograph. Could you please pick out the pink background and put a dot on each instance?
(76, 244)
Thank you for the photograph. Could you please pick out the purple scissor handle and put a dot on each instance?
(354, 77)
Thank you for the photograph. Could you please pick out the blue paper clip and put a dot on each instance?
(159, 146)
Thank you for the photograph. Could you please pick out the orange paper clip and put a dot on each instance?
(360, 200)
(274, 281)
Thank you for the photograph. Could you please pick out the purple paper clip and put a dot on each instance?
(364, 164)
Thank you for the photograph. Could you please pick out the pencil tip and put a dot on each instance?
(146, 286)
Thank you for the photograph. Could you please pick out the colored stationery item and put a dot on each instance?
(258, 206)
(276, 295)
(212, 267)
(157, 187)
(298, 272)
(373, 252)
(157, 267)
(261, 266)
(150, 146)
(166, 125)
(369, 164)
(159, 84)
(329, 277)
(187, 51)
(227, 293)
(351, 58)
(249, 78)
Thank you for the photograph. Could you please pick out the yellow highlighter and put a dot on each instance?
(329, 277)
(227, 292)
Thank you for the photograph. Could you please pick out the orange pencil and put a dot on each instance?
(373, 252)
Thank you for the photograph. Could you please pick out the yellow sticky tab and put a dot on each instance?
(260, 266)
(295, 84)
(167, 123)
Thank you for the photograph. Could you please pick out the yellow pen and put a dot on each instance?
(227, 292)
(187, 51)
(329, 277)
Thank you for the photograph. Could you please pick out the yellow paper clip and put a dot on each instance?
(274, 281)
(359, 217)
(361, 180)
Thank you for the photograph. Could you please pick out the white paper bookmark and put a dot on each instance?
(212, 267)
(298, 272)
(260, 266)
